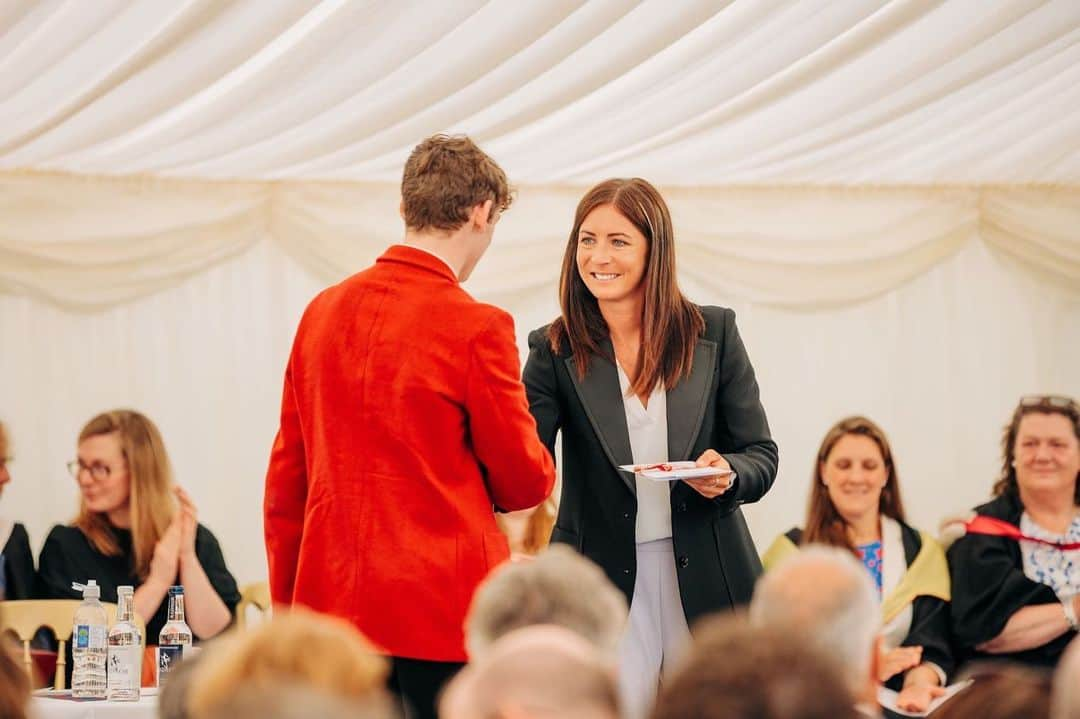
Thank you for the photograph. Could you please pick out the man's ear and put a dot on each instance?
(401, 209)
(480, 215)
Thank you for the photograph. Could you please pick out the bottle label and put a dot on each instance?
(125, 667)
(168, 655)
(88, 636)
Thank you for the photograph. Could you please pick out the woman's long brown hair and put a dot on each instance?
(670, 323)
(824, 524)
(152, 501)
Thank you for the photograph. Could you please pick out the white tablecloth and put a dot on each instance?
(63, 707)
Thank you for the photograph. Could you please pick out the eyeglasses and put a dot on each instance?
(1059, 401)
(97, 470)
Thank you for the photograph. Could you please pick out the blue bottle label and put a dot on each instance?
(82, 636)
(168, 656)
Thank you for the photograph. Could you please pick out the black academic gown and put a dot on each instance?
(18, 565)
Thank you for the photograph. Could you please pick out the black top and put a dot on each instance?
(716, 407)
(929, 615)
(989, 586)
(69, 557)
(18, 565)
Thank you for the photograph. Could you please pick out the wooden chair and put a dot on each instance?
(26, 616)
(256, 594)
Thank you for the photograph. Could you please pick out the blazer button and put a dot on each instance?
(626, 515)
(682, 506)
(684, 562)
(626, 571)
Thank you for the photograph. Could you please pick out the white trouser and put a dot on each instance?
(656, 635)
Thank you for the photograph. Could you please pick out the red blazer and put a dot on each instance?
(403, 421)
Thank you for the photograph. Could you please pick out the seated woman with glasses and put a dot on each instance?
(855, 504)
(136, 527)
(16, 561)
(1016, 573)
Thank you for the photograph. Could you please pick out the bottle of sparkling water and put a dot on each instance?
(175, 636)
(88, 644)
(125, 650)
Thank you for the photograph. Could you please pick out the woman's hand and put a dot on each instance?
(165, 564)
(898, 660)
(189, 521)
(712, 487)
(917, 697)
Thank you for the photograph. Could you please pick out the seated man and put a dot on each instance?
(737, 671)
(539, 671)
(559, 587)
(825, 595)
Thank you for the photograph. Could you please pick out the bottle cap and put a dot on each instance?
(90, 590)
(125, 589)
(175, 590)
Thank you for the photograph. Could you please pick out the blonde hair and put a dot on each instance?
(298, 648)
(151, 490)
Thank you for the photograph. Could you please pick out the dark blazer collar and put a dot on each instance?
(602, 399)
(406, 255)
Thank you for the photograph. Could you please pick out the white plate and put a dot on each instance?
(677, 471)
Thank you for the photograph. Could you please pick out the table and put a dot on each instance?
(60, 705)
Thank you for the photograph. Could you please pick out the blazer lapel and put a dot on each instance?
(686, 402)
(602, 399)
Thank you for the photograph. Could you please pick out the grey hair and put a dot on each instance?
(558, 587)
(824, 593)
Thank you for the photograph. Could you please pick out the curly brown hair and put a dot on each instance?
(1033, 404)
(444, 178)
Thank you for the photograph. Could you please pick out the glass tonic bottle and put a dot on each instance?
(125, 650)
(175, 636)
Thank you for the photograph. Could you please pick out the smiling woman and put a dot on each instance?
(136, 527)
(855, 504)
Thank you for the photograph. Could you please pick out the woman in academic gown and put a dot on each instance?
(855, 504)
(1013, 597)
(634, 373)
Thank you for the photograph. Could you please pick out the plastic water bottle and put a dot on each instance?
(175, 636)
(125, 650)
(88, 644)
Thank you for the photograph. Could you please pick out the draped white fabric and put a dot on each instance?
(887, 192)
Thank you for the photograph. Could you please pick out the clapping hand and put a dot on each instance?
(712, 487)
(188, 517)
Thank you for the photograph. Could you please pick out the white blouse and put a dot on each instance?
(648, 445)
(1050, 566)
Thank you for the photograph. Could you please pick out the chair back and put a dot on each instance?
(256, 594)
(26, 616)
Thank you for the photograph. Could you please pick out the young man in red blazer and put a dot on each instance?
(403, 423)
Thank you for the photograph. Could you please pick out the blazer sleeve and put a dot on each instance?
(741, 423)
(988, 587)
(542, 389)
(519, 470)
(930, 630)
(285, 497)
(18, 565)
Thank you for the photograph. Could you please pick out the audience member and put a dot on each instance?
(16, 560)
(1065, 702)
(136, 527)
(1016, 598)
(559, 587)
(14, 682)
(825, 595)
(290, 701)
(737, 671)
(315, 651)
(1000, 691)
(539, 671)
(528, 530)
(855, 504)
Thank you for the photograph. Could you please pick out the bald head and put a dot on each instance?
(538, 671)
(827, 595)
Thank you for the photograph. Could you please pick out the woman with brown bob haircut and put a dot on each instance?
(136, 527)
(855, 504)
(633, 373)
